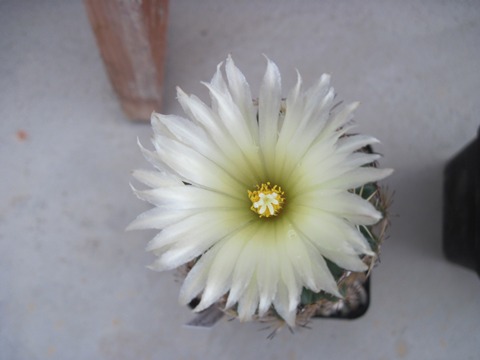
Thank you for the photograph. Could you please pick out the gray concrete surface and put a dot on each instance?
(74, 285)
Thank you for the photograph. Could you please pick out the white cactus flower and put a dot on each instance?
(259, 196)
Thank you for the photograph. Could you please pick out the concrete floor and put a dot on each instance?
(73, 284)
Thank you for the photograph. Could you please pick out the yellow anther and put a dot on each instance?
(266, 200)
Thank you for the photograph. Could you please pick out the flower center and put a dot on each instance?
(267, 200)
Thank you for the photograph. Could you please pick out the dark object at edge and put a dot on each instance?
(461, 207)
(356, 310)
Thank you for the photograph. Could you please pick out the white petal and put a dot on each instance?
(307, 135)
(189, 197)
(248, 302)
(156, 179)
(358, 177)
(338, 163)
(300, 174)
(328, 232)
(293, 114)
(354, 142)
(221, 271)
(153, 158)
(232, 118)
(325, 171)
(347, 205)
(346, 261)
(178, 255)
(312, 172)
(195, 137)
(198, 231)
(246, 158)
(196, 168)
(308, 264)
(295, 250)
(268, 113)
(159, 128)
(317, 93)
(240, 91)
(268, 273)
(196, 278)
(158, 218)
(219, 83)
(340, 119)
(359, 159)
(323, 277)
(283, 306)
(204, 116)
(318, 102)
(291, 280)
(185, 131)
(245, 265)
(313, 121)
(333, 243)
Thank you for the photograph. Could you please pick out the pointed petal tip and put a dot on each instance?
(292, 306)
(208, 85)
(334, 291)
(387, 172)
(332, 288)
(291, 320)
(229, 303)
(205, 303)
(272, 69)
(325, 78)
(154, 267)
(263, 307)
(376, 216)
(161, 265)
(137, 174)
(184, 299)
(134, 189)
(141, 222)
(181, 93)
(272, 64)
(130, 226)
(152, 247)
(245, 317)
(299, 76)
(200, 307)
(154, 115)
(233, 296)
(353, 106)
(310, 283)
(156, 119)
(369, 253)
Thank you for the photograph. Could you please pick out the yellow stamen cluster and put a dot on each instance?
(266, 200)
